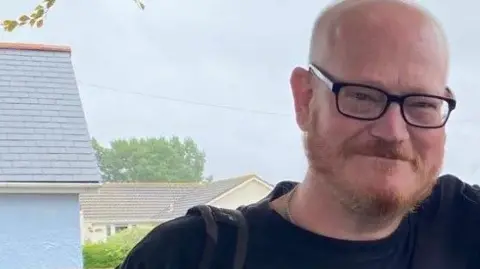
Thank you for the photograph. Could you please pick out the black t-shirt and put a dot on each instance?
(446, 226)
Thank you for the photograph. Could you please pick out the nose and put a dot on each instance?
(391, 126)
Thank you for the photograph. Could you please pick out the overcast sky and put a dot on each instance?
(234, 56)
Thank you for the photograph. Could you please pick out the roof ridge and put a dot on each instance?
(198, 183)
(34, 46)
(149, 183)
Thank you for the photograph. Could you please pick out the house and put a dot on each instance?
(46, 158)
(119, 206)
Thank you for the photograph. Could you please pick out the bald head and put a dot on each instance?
(349, 27)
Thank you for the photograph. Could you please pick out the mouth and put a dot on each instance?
(385, 158)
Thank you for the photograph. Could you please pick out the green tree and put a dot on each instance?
(151, 159)
(38, 15)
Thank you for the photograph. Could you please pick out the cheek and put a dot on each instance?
(430, 145)
(338, 132)
(341, 129)
(329, 125)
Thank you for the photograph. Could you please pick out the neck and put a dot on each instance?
(314, 207)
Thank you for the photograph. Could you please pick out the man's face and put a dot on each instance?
(378, 167)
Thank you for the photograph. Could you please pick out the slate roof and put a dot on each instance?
(43, 132)
(143, 202)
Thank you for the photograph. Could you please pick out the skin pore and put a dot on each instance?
(352, 190)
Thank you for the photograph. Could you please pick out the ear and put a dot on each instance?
(302, 95)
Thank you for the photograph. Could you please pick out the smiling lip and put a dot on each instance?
(384, 158)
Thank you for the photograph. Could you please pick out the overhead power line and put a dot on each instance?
(184, 101)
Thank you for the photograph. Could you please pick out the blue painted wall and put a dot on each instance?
(40, 231)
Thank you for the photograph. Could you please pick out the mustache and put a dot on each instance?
(383, 149)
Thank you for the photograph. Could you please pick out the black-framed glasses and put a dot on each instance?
(364, 102)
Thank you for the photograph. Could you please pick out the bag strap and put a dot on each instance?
(206, 213)
(212, 216)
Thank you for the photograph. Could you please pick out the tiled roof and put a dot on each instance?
(140, 202)
(43, 132)
(202, 195)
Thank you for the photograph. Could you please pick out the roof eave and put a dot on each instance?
(48, 187)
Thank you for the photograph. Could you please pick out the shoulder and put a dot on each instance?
(453, 207)
(453, 197)
(453, 210)
(163, 245)
(450, 189)
(446, 224)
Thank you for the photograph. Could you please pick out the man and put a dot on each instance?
(372, 105)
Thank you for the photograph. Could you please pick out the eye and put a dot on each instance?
(424, 102)
(424, 105)
(362, 96)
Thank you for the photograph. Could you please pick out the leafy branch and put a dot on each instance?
(37, 16)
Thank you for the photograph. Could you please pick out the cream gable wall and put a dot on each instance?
(249, 192)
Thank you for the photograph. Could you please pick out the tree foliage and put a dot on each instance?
(151, 159)
(38, 15)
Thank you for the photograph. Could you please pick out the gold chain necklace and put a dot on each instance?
(288, 214)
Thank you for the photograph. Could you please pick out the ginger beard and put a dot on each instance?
(373, 190)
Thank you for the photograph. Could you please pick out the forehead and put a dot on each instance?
(400, 56)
